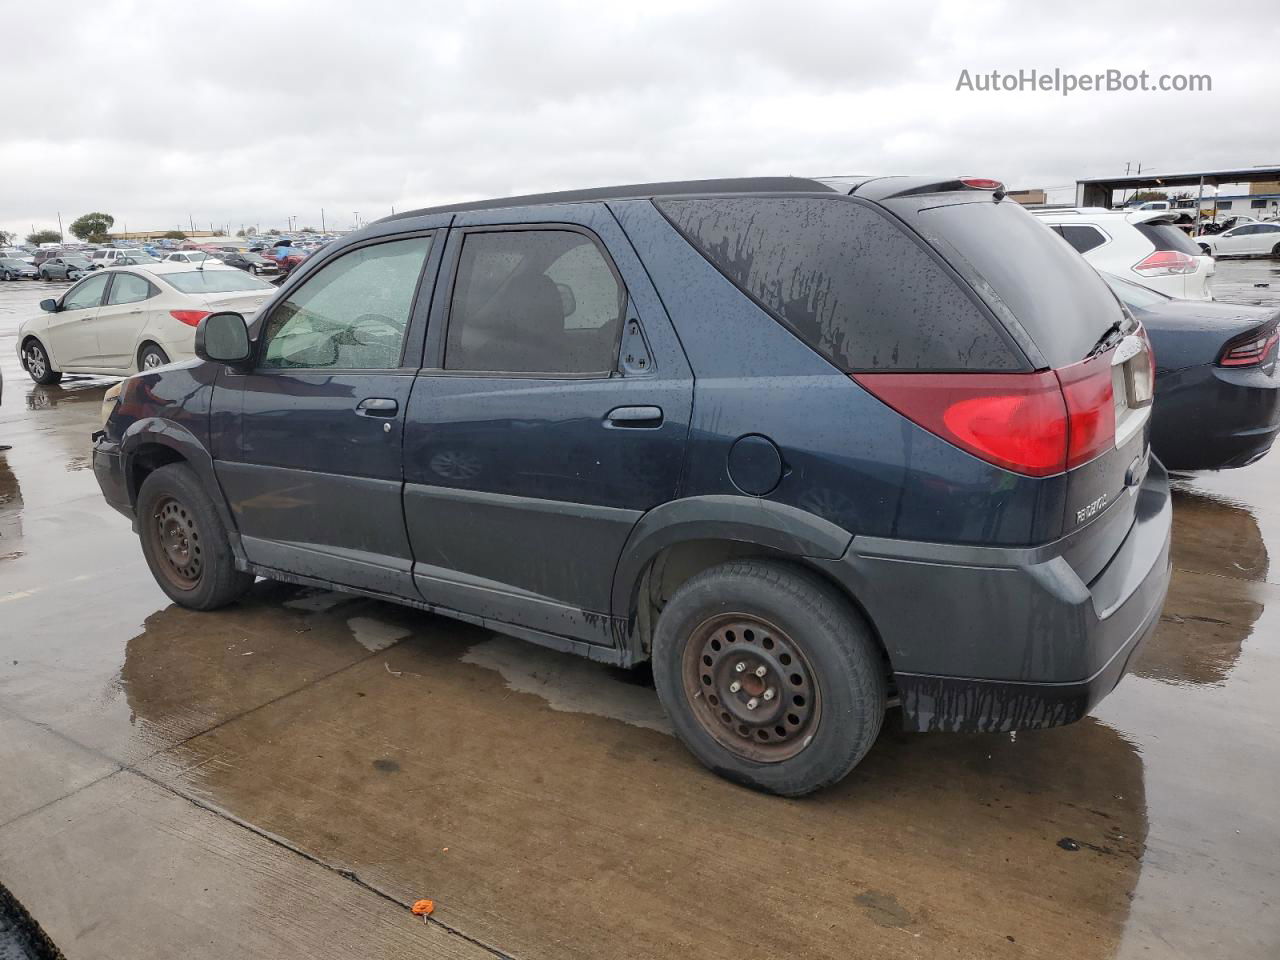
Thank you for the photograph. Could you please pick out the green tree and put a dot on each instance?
(1142, 196)
(7, 238)
(92, 225)
(308, 229)
(43, 236)
(240, 233)
(174, 235)
(273, 232)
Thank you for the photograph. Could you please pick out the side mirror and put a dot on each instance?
(223, 338)
(49, 306)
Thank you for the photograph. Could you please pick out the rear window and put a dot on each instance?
(846, 280)
(1084, 238)
(1022, 265)
(1166, 236)
(214, 281)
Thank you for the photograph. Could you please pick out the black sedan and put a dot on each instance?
(11, 268)
(65, 268)
(252, 262)
(1217, 390)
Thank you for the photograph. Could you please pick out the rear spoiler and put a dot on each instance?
(1153, 216)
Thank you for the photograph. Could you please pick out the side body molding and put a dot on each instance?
(777, 526)
(166, 433)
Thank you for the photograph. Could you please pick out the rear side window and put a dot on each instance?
(534, 301)
(1082, 237)
(1165, 236)
(846, 280)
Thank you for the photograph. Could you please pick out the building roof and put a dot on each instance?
(1189, 179)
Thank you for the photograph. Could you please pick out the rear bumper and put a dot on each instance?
(987, 639)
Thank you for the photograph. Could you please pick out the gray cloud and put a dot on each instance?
(249, 112)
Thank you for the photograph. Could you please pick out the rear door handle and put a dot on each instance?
(634, 417)
(377, 407)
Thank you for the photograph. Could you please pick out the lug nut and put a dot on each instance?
(752, 703)
(740, 666)
(735, 687)
(768, 694)
(761, 670)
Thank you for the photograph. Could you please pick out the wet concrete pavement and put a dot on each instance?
(284, 777)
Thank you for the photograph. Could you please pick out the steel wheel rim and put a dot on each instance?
(768, 667)
(35, 362)
(176, 540)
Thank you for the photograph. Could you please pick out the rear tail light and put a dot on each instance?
(982, 183)
(1036, 424)
(191, 318)
(1252, 351)
(1165, 263)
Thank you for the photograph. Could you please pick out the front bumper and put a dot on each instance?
(988, 639)
(108, 467)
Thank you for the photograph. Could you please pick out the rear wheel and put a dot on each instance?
(185, 542)
(771, 677)
(151, 356)
(36, 360)
(1275, 251)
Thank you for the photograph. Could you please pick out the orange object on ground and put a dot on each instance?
(424, 908)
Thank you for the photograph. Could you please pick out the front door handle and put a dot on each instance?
(634, 417)
(377, 407)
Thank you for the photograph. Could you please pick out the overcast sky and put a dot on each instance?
(242, 113)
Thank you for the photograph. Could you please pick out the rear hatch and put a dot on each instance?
(1087, 354)
(1174, 254)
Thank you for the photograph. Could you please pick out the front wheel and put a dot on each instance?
(771, 677)
(185, 542)
(1275, 251)
(8, 276)
(39, 368)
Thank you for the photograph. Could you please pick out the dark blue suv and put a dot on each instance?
(814, 448)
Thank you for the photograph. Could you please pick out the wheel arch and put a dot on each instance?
(678, 540)
(44, 345)
(152, 443)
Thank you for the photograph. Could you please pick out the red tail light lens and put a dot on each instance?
(1035, 424)
(191, 318)
(1166, 263)
(1088, 390)
(1253, 352)
(982, 183)
(1015, 420)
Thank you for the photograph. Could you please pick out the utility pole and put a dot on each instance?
(322, 230)
(59, 226)
(191, 222)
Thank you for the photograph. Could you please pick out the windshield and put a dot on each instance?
(214, 281)
(1134, 295)
(1020, 265)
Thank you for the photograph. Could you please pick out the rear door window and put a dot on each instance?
(534, 301)
(846, 280)
(1081, 236)
(128, 288)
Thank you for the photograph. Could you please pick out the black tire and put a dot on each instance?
(152, 353)
(8, 277)
(1275, 252)
(825, 671)
(39, 366)
(1204, 249)
(185, 542)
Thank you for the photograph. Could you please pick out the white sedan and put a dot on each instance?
(191, 256)
(1244, 240)
(125, 319)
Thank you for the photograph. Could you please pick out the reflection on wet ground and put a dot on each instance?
(202, 778)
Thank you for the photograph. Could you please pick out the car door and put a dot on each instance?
(312, 463)
(72, 336)
(121, 318)
(1265, 238)
(552, 411)
(1236, 241)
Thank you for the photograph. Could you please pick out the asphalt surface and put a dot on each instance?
(285, 777)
